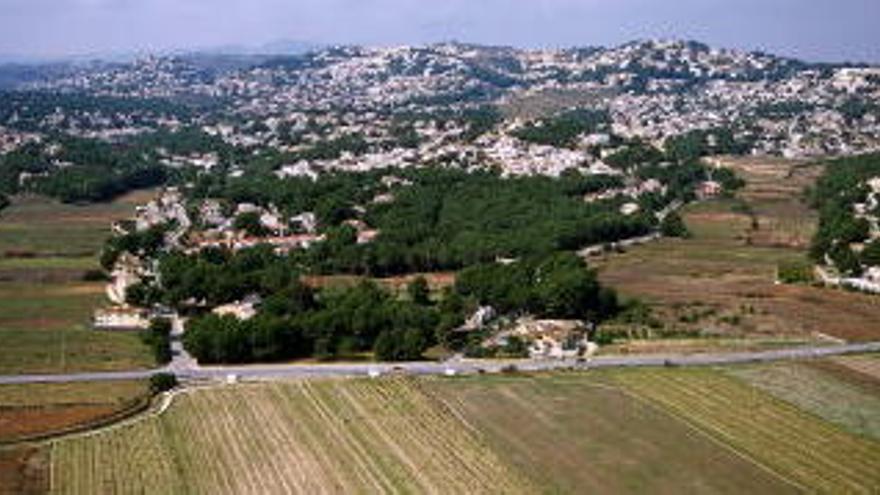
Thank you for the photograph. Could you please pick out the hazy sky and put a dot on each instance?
(829, 30)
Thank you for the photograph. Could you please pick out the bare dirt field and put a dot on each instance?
(39, 409)
(722, 280)
(868, 366)
(24, 471)
(775, 192)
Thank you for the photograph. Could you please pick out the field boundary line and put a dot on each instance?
(133, 419)
(132, 410)
(704, 432)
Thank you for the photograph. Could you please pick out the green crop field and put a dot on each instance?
(41, 227)
(578, 433)
(307, 437)
(795, 444)
(45, 308)
(45, 329)
(615, 431)
(829, 395)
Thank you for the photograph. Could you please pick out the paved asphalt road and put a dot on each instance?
(452, 367)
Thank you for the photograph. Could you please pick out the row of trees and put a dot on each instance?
(557, 286)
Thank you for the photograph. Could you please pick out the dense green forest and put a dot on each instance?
(296, 321)
(443, 219)
(562, 130)
(439, 219)
(77, 170)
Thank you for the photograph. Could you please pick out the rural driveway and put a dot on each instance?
(457, 367)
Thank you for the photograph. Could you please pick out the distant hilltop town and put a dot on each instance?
(398, 101)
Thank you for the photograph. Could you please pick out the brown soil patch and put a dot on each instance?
(21, 422)
(722, 281)
(24, 471)
(839, 369)
(864, 365)
(79, 290)
(42, 276)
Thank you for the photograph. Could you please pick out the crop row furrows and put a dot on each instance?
(403, 421)
(336, 420)
(474, 461)
(232, 441)
(234, 445)
(316, 469)
(392, 439)
(203, 445)
(283, 456)
(776, 435)
(823, 446)
(262, 452)
(273, 452)
(124, 461)
(810, 451)
(451, 456)
(177, 433)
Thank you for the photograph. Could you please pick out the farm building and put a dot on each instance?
(120, 318)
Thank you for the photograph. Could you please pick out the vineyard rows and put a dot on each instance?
(797, 446)
(382, 436)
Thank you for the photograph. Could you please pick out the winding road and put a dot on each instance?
(282, 371)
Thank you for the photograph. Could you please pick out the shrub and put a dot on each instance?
(162, 382)
(795, 272)
(673, 226)
(94, 276)
(418, 291)
(158, 338)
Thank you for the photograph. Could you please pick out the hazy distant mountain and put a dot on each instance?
(277, 47)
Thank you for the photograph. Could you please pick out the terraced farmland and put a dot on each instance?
(796, 445)
(305, 437)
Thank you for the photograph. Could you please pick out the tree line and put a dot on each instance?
(297, 321)
(842, 185)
